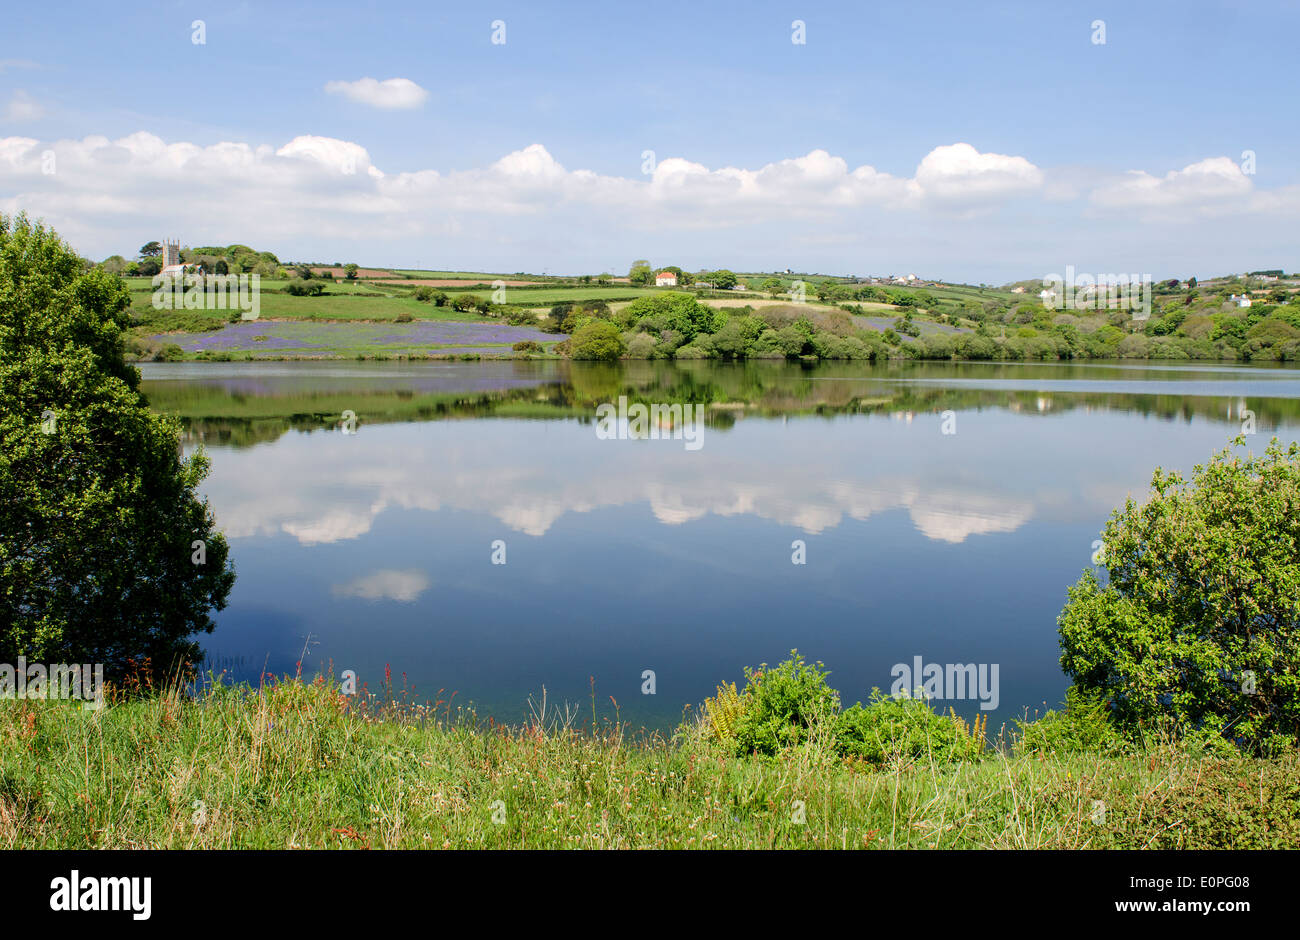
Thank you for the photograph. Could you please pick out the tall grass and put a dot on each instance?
(297, 765)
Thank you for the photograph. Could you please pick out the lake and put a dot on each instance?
(942, 509)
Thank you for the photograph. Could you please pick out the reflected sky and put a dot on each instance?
(626, 555)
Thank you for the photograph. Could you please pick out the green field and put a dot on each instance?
(471, 276)
(367, 301)
(341, 301)
(546, 296)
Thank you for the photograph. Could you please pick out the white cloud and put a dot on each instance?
(960, 173)
(386, 585)
(390, 94)
(316, 185)
(316, 193)
(23, 107)
(338, 155)
(1202, 184)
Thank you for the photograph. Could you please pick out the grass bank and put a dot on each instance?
(296, 765)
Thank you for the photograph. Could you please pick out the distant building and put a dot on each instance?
(171, 256)
(1017, 290)
(1242, 301)
(665, 279)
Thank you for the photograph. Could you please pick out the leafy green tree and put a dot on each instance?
(107, 553)
(350, 271)
(641, 274)
(737, 336)
(676, 311)
(151, 250)
(597, 339)
(722, 279)
(1198, 625)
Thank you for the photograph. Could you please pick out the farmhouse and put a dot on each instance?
(665, 279)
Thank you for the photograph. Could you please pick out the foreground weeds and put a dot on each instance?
(295, 765)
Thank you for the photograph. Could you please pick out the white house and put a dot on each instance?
(1242, 301)
(665, 279)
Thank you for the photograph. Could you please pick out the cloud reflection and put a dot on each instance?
(529, 475)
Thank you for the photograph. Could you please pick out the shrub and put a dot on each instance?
(1083, 726)
(690, 352)
(737, 336)
(891, 729)
(792, 340)
(938, 346)
(520, 316)
(669, 340)
(464, 302)
(1198, 627)
(305, 289)
(978, 347)
(403, 317)
(424, 294)
(528, 346)
(779, 706)
(641, 346)
(598, 339)
(567, 316)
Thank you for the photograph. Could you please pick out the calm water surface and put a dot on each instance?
(628, 555)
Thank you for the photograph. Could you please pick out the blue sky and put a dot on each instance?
(1122, 156)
